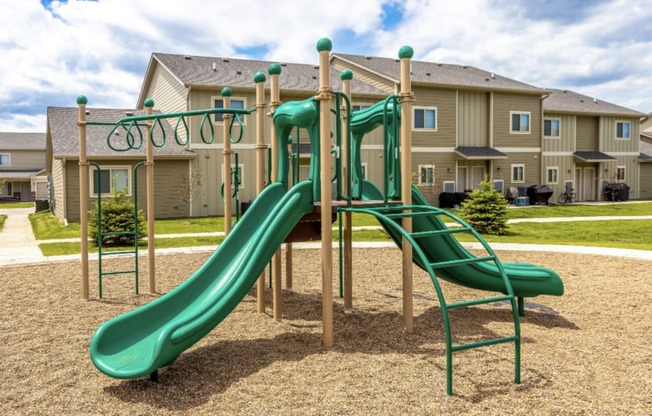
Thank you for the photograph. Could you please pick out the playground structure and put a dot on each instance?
(141, 341)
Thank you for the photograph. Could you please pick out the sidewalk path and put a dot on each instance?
(17, 242)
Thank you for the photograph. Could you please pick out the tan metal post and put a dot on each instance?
(346, 77)
(275, 93)
(324, 46)
(226, 174)
(406, 97)
(83, 193)
(151, 260)
(259, 79)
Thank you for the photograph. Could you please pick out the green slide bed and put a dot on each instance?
(143, 340)
(527, 280)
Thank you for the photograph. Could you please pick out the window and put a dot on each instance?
(238, 103)
(553, 175)
(518, 173)
(111, 179)
(449, 186)
(240, 175)
(425, 118)
(620, 173)
(6, 190)
(551, 128)
(520, 122)
(426, 175)
(622, 130)
(5, 159)
(358, 107)
(499, 185)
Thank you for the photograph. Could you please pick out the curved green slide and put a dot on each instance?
(143, 340)
(527, 280)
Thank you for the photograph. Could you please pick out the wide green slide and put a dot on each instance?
(527, 280)
(143, 340)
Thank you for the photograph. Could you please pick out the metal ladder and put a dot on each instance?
(387, 216)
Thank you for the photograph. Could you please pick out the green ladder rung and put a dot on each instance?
(484, 343)
(119, 233)
(120, 272)
(422, 234)
(111, 253)
(461, 261)
(478, 302)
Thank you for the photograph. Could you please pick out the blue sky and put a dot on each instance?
(55, 50)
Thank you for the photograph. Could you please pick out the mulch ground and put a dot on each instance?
(587, 352)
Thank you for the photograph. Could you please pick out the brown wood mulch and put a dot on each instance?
(587, 352)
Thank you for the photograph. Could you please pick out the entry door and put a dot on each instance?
(589, 185)
(477, 175)
(462, 174)
(579, 184)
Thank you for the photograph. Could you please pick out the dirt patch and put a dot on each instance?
(586, 352)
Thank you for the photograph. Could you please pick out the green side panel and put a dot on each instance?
(527, 280)
(139, 342)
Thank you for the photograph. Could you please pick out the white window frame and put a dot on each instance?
(521, 113)
(361, 106)
(552, 119)
(619, 177)
(629, 129)
(515, 166)
(215, 98)
(550, 169)
(426, 166)
(8, 158)
(424, 108)
(110, 168)
(241, 167)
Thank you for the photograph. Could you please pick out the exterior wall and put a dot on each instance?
(506, 103)
(567, 134)
(365, 76)
(532, 172)
(588, 133)
(645, 184)
(58, 179)
(444, 164)
(446, 102)
(472, 119)
(610, 144)
(167, 178)
(168, 94)
(25, 159)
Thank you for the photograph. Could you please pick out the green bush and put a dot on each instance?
(117, 216)
(485, 209)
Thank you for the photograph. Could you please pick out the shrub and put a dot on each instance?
(117, 216)
(485, 209)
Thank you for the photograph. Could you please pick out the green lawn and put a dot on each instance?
(47, 227)
(579, 210)
(2, 221)
(16, 205)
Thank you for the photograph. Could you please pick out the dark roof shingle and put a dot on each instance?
(565, 101)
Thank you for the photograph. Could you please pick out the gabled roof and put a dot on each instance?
(206, 71)
(22, 141)
(565, 101)
(646, 151)
(64, 135)
(461, 76)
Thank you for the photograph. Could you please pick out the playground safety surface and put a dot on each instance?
(586, 352)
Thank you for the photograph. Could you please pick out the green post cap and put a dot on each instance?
(406, 52)
(81, 99)
(149, 103)
(347, 74)
(259, 77)
(274, 69)
(226, 92)
(324, 44)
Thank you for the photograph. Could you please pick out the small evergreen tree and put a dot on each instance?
(485, 209)
(117, 216)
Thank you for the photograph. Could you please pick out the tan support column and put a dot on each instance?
(151, 260)
(324, 46)
(226, 174)
(259, 79)
(346, 77)
(406, 97)
(83, 194)
(275, 93)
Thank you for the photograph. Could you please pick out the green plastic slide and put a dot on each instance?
(527, 280)
(143, 340)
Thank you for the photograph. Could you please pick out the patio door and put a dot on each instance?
(588, 186)
(462, 175)
(477, 175)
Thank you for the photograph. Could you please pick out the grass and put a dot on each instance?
(189, 225)
(2, 221)
(16, 205)
(47, 227)
(579, 210)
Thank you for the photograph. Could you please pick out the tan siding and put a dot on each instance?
(645, 184)
(444, 172)
(365, 76)
(503, 105)
(608, 135)
(57, 178)
(72, 191)
(587, 133)
(168, 95)
(473, 108)
(25, 159)
(566, 169)
(532, 169)
(566, 140)
(445, 101)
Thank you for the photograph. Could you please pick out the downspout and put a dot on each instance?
(542, 172)
(65, 194)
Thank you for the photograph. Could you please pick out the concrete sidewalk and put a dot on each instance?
(17, 242)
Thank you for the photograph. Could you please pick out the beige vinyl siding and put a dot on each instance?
(58, 183)
(472, 120)
(443, 162)
(445, 100)
(25, 159)
(608, 135)
(168, 93)
(167, 179)
(506, 103)
(363, 75)
(587, 136)
(566, 172)
(632, 173)
(645, 184)
(532, 169)
(567, 132)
